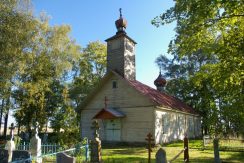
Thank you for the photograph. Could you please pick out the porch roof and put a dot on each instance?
(108, 113)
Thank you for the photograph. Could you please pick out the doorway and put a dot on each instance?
(113, 129)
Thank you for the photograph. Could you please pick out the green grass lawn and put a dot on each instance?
(129, 154)
(126, 154)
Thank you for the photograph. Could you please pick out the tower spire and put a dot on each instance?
(121, 23)
(121, 51)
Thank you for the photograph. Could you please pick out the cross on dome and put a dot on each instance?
(120, 12)
(121, 23)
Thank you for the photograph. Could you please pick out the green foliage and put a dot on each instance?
(212, 29)
(35, 63)
(90, 69)
(40, 84)
(17, 140)
(16, 34)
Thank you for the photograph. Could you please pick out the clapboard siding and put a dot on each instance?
(175, 126)
(138, 110)
(123, 96)
(137, 123)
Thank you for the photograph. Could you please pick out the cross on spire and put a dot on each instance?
(120, 12)
(105, 102)
(12, 130)
(160, 69)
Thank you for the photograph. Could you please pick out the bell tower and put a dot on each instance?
(121, 51)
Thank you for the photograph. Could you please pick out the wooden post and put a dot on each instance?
(186, 149)
(95, 145)
(149, 140)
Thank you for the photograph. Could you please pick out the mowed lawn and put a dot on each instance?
(126, 154)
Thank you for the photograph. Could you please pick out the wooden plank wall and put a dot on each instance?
(138, 109)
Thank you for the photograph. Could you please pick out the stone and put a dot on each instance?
(3, 156)
(10, 146)
(35, 147)
(21, 155)
(64, 158)
(161, 156)
(206, 140)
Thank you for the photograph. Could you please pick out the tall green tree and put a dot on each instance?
(47, 62)
(216, 28)
(16, 33)
(180, 73)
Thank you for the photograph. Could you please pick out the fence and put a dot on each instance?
(185, 150)
(72, 151)
(49, 152)
(83, 150)
(46, 148)
(224, 144)
(161, 154)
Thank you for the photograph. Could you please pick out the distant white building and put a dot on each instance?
(132, 109)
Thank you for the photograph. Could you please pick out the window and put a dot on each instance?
(115, 84)
(164, 124)
(190, 125)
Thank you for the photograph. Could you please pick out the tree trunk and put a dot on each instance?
(5, 126)
(18, 129)
(46, 127)
(205, 130)
(6, 119)
(1, 116)
(216, 150)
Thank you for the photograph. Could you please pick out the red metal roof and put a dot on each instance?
(108, 113)
(160, 98)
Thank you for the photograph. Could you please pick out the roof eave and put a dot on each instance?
(176, 110)
(119, 35)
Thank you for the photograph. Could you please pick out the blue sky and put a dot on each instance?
(93, 20)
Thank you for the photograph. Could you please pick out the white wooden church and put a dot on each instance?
(126, 109)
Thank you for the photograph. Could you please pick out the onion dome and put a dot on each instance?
(160, 82)
(121, 23)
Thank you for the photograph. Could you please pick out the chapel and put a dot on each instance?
(126, 109)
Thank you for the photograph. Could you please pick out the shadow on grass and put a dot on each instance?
(126, 159)
(234, 157)
(126, 151)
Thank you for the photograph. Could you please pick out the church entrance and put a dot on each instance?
(113, 129)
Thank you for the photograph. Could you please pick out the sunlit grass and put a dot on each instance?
(140, 154)
(129, 154)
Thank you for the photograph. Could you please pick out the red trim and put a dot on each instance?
(104, 114)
